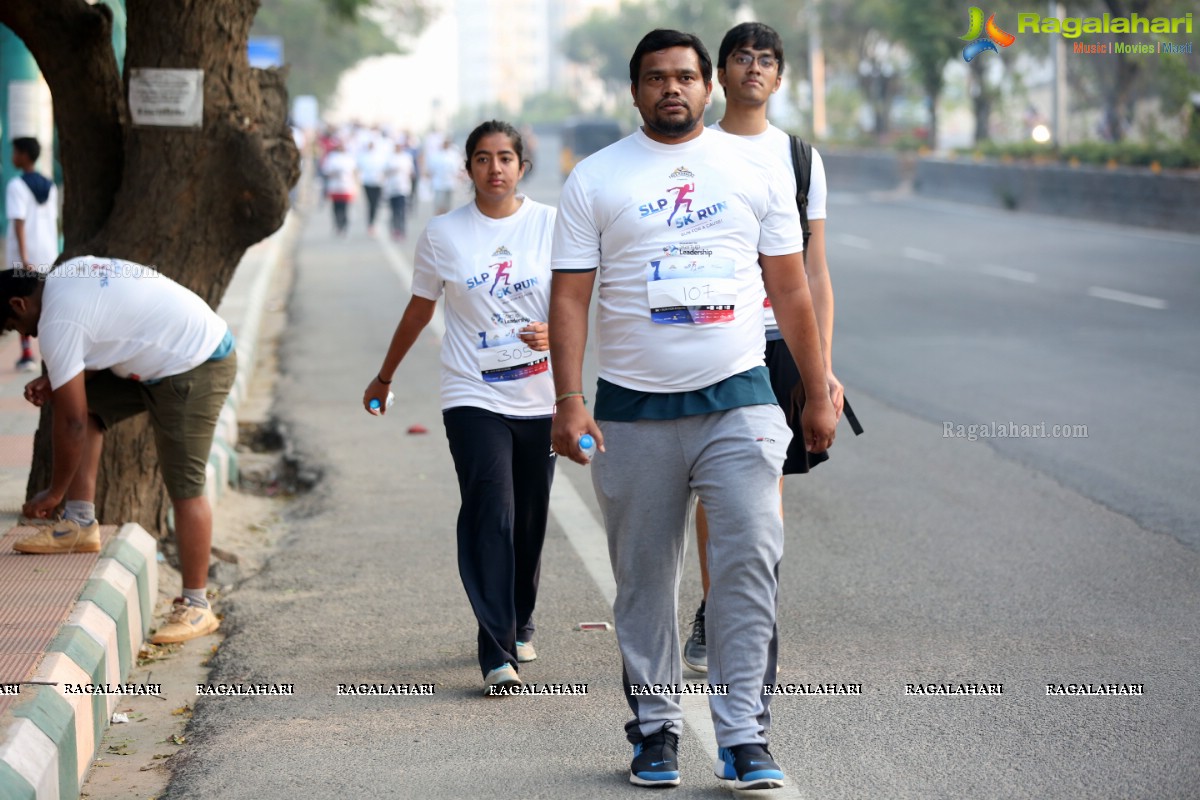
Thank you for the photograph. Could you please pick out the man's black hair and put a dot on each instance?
(16, 283)
(754, 35)
(27, 145)
(661, 39)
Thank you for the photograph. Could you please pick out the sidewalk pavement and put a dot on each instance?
(82, 618)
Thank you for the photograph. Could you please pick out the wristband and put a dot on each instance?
(379, 378)
(565, 395)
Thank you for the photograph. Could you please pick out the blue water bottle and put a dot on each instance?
(588, 445)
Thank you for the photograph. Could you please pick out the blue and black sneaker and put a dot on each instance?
(656, 759)
(747, 766)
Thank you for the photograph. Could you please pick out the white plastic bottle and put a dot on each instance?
(391, 398)
(588, 445)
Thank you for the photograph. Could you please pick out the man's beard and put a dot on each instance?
(671, 128)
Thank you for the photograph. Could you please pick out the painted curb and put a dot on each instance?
(48, 740)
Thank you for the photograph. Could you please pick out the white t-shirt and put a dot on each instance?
(105, 313)
(371, 163)
(495, 274)
(444, 168)
(398, 174)
(779, 144)
(41, 226)
(339, 169)
(676, 231)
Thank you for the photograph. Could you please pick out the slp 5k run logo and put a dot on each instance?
(681, 202)
(979, 42)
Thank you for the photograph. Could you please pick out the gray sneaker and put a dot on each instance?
(695, 649)
(502, 677)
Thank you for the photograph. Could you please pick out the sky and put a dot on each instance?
(410, 92)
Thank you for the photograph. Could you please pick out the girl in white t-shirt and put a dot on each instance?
(491, 260)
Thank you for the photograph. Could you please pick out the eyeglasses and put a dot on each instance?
(745, 60)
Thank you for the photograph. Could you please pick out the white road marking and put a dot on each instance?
(403, 269)
(583, 532)
(927, 256)
(850, 240)
(1009, 273)
(1127, 297)
(590, 543)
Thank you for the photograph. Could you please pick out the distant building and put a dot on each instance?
(510, 50)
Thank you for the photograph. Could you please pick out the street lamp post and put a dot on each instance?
(1058, 59)
(816, 58)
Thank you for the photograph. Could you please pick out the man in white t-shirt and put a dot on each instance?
(31, 204)
(444, 169)
(683, 402)
(371, 164)
(120, 339)
(398, 176)
(750, 70)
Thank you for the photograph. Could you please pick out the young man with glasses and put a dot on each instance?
(750, 70)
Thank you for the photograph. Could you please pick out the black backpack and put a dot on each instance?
(802, 164)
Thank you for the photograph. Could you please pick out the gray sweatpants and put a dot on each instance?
(644, 479)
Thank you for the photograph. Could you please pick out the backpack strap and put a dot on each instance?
(802, 164)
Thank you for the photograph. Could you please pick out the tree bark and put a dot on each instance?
(874, 87)
(932, 93)
(982, 97)
(1127, 68)
(72, 44)
(186, 201)
(1119, 102)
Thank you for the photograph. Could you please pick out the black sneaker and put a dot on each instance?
(747, 766)
(656, 759)
(695, 649)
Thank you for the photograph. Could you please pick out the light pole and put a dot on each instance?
(1058, 59)
(816, 68)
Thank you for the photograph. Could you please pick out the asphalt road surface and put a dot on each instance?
(916, 556)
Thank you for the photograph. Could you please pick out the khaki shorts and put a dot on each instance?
(183, 412)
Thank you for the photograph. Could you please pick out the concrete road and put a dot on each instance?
(913, 558)
(963, 315)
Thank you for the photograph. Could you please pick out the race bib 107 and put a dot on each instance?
(688, 290)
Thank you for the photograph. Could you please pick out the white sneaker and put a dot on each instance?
(502, 677)
(525, 652)
(66, 536)
(186, 622)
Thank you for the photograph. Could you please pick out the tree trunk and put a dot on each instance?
(931, 101)
(877, 88)
(1127, 68)
(185, 201)
(1119, 102)
(883, 106)
(981, 101)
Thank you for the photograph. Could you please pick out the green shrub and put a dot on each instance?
(1130, 154)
